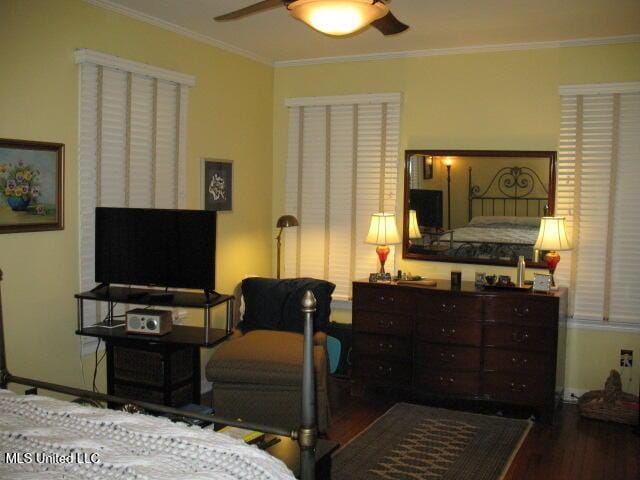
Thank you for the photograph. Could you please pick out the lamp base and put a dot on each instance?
(383, 253)
(552, 259)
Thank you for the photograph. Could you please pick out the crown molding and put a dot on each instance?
(143, 17)
(434, 52)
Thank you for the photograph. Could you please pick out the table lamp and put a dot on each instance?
(383, 232)
(284, 221)
(552, 238)
(414, 229)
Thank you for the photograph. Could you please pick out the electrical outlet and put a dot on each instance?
(626, 358)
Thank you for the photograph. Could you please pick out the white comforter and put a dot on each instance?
(54, 439)
(504, 234)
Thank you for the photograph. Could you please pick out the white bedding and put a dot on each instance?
(504, 230)
(126, 446)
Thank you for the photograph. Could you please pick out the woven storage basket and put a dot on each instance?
(610, 404)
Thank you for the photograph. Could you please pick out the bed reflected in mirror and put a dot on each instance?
(476, 206)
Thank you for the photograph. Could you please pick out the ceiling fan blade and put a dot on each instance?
(389, 25)
(255, 8)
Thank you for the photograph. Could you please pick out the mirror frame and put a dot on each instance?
(406, 254)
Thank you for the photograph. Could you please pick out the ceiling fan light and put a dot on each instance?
(338, 17)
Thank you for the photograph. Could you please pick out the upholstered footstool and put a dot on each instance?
(258, 377)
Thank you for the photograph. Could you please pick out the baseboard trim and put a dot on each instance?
(577, 392)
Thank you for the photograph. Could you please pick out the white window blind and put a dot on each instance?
(597, 191)
(132, 131)
(342, 166)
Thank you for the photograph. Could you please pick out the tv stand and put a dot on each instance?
(102, 286)
(161, 369)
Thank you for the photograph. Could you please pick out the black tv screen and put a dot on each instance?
(428, 206)
(168, 248)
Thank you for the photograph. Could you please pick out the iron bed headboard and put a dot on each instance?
(306, 435)
(517, 186)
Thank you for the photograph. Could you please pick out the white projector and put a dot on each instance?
(149, 322)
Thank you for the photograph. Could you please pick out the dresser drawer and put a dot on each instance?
(449, 332)
(444, 357)
(517, 388)
(382, 371)
(383, 346)
(382, 299)
(514, 361)
(448, 307)
(519, 337)
(522, 309)
(384, 323)
(447, 382)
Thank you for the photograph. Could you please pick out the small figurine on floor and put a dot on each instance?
(610, 404)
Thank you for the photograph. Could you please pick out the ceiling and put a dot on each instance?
(274, 36)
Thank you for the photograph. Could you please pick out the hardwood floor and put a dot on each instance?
(574, 448)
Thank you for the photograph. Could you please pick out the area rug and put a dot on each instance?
(415, 442)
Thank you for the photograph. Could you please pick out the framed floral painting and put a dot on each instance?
(31, 186)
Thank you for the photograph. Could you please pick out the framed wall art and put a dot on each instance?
(31, 186)
(217, 182)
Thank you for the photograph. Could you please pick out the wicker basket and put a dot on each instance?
(610, 404)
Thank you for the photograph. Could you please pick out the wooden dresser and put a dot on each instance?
(499, 346)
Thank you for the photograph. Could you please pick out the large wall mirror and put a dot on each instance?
(476, 206)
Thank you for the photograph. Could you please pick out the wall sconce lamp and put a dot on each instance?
(284, 221)
(383, 232)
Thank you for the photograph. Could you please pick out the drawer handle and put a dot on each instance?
(389, 299)
(518, 388)
(448, 308)
(448, 332)
(385, 369)
(443, 380)
(520, 337)
(521, 313)
(522, 361)
(383, 323)
(389, 346)
(447, 358)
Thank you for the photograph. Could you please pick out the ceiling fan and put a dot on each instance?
(333, 17)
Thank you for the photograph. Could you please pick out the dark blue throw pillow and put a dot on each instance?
(272, 304)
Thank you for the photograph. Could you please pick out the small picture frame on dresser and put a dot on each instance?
(541, 282)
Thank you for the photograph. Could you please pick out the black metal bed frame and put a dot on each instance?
(306, 435)
(515, 184)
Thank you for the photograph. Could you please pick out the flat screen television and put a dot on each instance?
(154, 247)
(428, 207)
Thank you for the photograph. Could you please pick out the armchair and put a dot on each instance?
(256, 373)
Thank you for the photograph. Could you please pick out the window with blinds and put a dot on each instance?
(598, 193)
(342, 166)
(131, 144)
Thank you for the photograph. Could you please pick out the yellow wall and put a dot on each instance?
(497, 101)
(502, 100)
(230, 117)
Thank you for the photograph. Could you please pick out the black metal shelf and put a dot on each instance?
(149, 296)
(180, 334)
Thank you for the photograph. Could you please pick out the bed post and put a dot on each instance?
(3, 359)
(308, 433)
